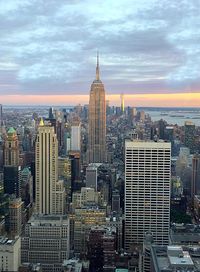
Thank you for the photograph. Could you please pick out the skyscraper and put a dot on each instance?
(97, 121)
(76, 135)
(1, 117)
(147, 191)
(195, 186)
(91, 176)
(14, 217)
(122, 103)
(190, 136)
(11, 148)
(11, 168)
(49, 191)
(46, 241)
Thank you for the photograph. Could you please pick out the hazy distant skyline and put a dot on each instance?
(146, 46)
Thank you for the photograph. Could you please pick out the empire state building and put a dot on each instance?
(97, 121)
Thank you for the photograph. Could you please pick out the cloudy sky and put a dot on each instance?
(48, 47)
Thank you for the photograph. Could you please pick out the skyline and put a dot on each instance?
(137, 100)
(146, 47)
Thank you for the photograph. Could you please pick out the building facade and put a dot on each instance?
(76, 135)
(147, 191)
(195, 185)
(189, 140)
(14, 218)
(46, 241)
(11, 148)
(91, 176)
(10, 254)
(84, 219)
(50, 192)
(97, 121)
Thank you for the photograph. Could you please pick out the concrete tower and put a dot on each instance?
(97, 121)
(147, 191)
(49, 191)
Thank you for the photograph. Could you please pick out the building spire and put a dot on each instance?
(41, 124)
(97, 68)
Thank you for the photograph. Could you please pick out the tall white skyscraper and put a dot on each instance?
(147, 191)
(76, 136)
(50, 192)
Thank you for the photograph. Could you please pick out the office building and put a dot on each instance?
(197, 207)
(11, 148)
(1, 152)
(75, 170)
(14, 217)
(161, 129)
(175, 258)
(50, 192)
(116, 201)
(1, 119)
(97, 121)
(147, 191)
(87, 196)
(189, 140)
(102, 248)
(122, 103)
(186, 234)
(46, 241)
(91, 176)
(26, 186)
(12, 180)
(195, 188)
(10, 254)
(76, 135)
(84, 219)
(51, 113)
(11, 168)
(169, 133)
(64, 167)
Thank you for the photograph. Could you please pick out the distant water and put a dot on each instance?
(175, 116)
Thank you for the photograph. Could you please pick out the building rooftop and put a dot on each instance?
(175, 258)
(197, 197)
(11, 130)
(48, 220)
(5, 241)
(73, 265)
(147, 144)
(26, 171)
(93, 166)
(185, 234)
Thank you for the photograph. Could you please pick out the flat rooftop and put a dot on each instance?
(48, 220)
(175, 258)
(5, 241)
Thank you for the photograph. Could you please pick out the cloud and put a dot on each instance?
(145, 46)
